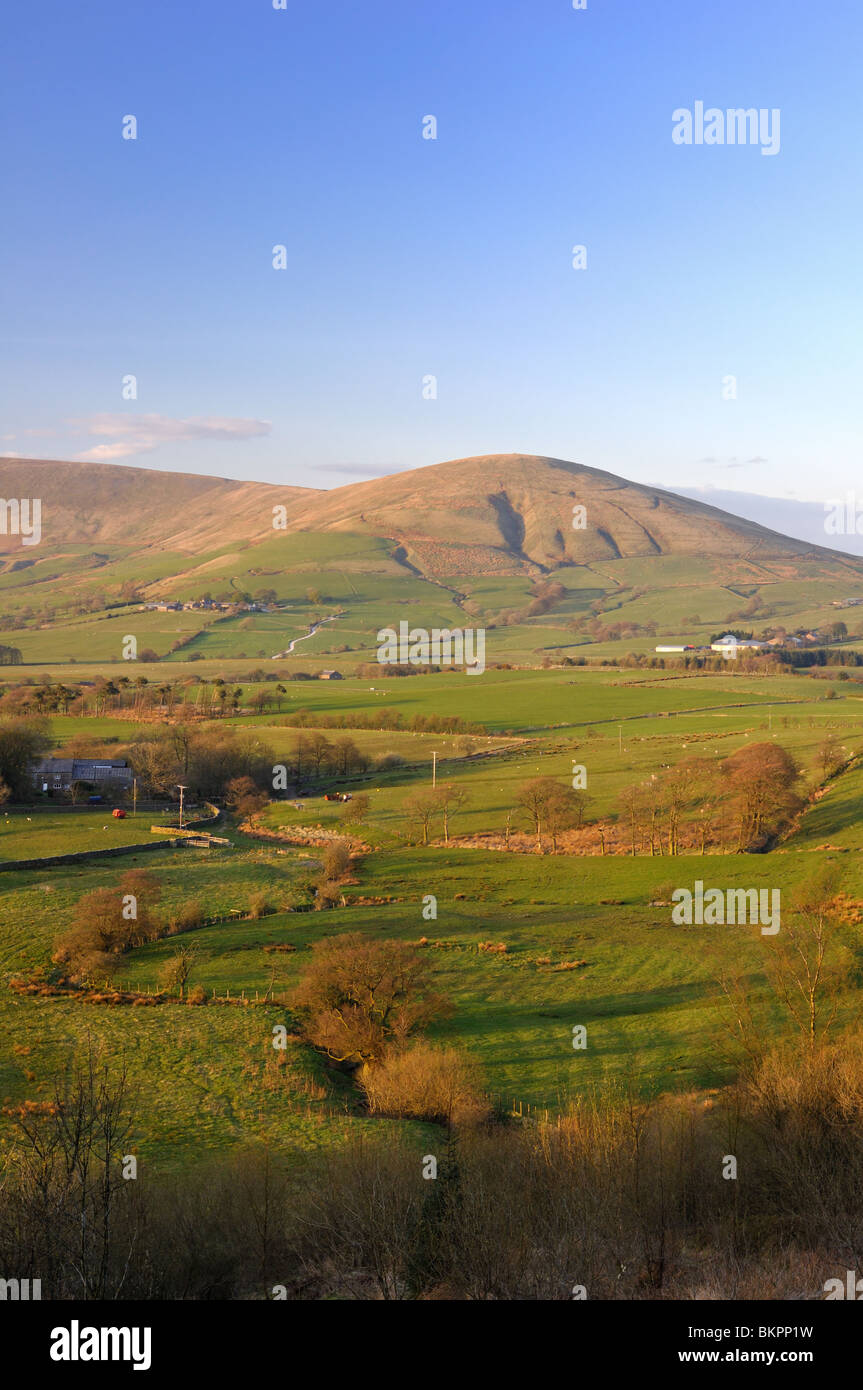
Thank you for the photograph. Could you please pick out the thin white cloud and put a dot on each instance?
(104, 453)
(141, 434)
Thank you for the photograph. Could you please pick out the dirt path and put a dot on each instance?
(316, 628)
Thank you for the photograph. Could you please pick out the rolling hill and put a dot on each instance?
(473, 536)
(466, 516)
(518, 510)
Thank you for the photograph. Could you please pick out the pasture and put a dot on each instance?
(589, 939)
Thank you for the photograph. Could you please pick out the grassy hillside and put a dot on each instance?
(588, 935)
(467, 543)
(589, 939)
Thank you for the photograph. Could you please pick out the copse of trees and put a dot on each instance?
(383, 719)
(437, 1084)
(740, 802)
(21, 741)
(108, 922)
(141, 697)
(545, 594)
(762, 783)
(429, 804)
(621, 630)
(206, 759)
(550, 808)
(314, 755)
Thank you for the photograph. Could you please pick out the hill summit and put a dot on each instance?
(514, 511)
(495, 513)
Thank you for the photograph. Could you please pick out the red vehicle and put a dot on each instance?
(118, 814)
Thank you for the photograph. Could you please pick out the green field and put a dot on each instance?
(644, 988)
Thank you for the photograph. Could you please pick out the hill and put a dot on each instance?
(473, 539)
(516, 511)
(99, 503)
(495, 510)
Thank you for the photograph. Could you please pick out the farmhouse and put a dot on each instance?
(331, 676)
(53, 775)
(730, 645)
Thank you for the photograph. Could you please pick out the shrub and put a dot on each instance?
(356, 810)
(328, 895)
(358, 998)
(244, 796)
(337, 860)
(187, 917)
(426, 1082)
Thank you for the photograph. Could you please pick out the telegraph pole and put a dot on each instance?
(434, 767)
(182, 789)
(134, 797)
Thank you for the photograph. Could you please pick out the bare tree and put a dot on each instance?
(178, 967)
(808, 964)
(421, 807)
(450, 799)
(550, 807)
(67, 1156)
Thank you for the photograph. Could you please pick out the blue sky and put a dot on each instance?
(450, 257)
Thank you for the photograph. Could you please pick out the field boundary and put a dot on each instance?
(81, 856)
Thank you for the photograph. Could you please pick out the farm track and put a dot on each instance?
(317, 627)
